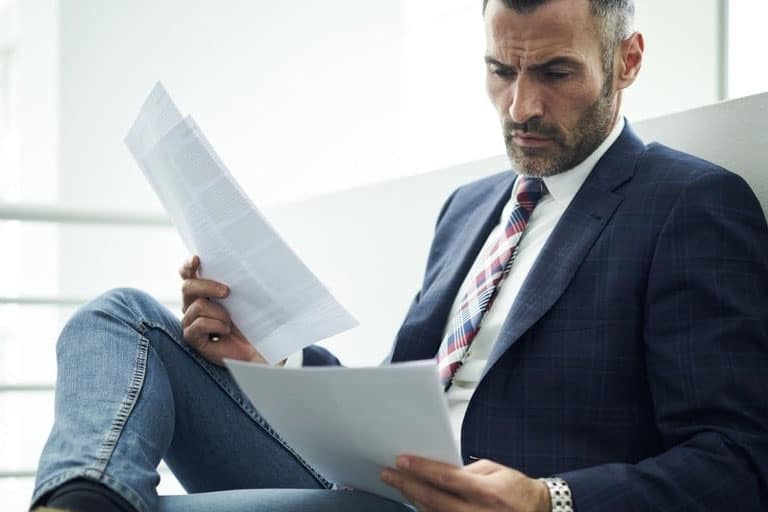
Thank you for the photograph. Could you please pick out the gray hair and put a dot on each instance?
(615, 22)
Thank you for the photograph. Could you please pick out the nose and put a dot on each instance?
(526, 100)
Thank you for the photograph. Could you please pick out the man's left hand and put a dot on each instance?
(482, 486)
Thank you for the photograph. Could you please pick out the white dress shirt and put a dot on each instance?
(561, 190)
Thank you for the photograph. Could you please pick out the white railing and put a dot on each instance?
(43, 300)
(58, 214)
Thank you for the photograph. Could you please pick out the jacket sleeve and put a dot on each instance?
(318, 356)
(705, 332)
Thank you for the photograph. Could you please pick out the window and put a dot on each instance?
(29, 259)
(746, 52)
(9, 137)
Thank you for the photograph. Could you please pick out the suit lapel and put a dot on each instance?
(480, 220)
(569, 243)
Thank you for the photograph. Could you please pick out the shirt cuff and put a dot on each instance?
(295, 360)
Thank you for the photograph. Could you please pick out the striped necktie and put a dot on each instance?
(480, 291)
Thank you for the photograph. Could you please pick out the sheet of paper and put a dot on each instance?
(348, 423)
(275, 300)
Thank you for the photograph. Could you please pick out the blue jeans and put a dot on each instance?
(130, 392)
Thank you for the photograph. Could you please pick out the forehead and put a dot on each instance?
(557, 28)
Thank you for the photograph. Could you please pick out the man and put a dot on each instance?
(623, 294)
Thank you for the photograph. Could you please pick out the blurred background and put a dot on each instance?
(302, 100)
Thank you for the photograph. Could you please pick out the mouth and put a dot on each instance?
(528, 140)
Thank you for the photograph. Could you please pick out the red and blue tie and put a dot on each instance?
(480, 292)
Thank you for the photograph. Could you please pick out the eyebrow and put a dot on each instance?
(491, 60)
(557, 61)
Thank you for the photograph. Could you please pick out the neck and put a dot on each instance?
(616, 111)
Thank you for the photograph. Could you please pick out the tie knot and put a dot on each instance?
(529, 191)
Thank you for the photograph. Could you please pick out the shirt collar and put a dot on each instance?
(563, 186)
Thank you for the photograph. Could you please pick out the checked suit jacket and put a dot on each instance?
(634, 362)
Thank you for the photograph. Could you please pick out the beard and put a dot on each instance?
(570, 149)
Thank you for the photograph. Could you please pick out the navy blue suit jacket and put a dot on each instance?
(634, 362)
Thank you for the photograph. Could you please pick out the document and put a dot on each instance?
(275, 300)
(348, 423)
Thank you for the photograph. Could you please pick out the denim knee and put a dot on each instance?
(128, 304)
(127, 307)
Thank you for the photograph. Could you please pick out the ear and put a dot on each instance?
(629, 58)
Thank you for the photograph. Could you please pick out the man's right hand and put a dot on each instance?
(203, 317)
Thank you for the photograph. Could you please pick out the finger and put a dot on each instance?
(230, 347)
(197, 332)
(452, 479)
(205, 308)
(425, 496)
(446, 476)
(189, 268)
(193, 289)
(204, 288)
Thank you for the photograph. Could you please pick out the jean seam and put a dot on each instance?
(126, 407)
(145, 324)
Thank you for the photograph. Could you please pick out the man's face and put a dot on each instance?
(545, 77)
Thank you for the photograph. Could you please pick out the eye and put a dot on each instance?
(503, 73)
(555, 74)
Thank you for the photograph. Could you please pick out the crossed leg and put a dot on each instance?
(130, 392)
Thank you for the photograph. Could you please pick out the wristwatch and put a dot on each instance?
(559, 494)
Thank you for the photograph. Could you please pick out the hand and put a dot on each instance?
(203, 317)
(482, 486)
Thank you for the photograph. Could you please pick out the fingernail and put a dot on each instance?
(403, 462)
(224, 291)
(387, 476)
